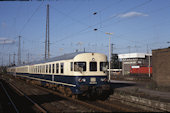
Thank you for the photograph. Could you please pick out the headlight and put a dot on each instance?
(82, 80)
(103, 79)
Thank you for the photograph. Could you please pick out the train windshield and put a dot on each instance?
(93, 66)
(80, 66)
(103, 66)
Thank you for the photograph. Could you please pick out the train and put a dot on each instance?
(72, 74)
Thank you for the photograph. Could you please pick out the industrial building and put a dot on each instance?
(134, 60)
(161, 66)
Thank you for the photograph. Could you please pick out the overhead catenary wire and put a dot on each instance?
(22, 29)
(84, 18)
(91, 26)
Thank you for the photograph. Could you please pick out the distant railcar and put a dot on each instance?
(141, 70)
(72, 74)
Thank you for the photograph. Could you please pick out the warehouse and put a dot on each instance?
(133, 60)
(161, 66)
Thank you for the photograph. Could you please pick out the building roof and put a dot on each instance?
(133, 55)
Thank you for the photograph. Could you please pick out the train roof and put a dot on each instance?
(62, 57)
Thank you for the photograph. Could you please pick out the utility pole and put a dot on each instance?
(112, 48)
(47, 38)
(149, 66)
(9, 59)
(129, 47)
(147, 49)
(2, 61)
(109, 53)
(19, 51)
(28, 57)
(48, 32)
(14, 58)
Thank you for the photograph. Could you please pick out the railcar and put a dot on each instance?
(141, 70)
(72, 74)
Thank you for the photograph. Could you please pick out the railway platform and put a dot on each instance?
(141, 93)
(141, 88)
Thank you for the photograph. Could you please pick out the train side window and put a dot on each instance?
(50, 68)
(43, 68)
(46, 68)
(57, 68)
(40, 69)
(93, 66)
(71, 66)
(62, 67)
(53, 69)
(35, 69)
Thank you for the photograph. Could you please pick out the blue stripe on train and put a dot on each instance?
(68, 80)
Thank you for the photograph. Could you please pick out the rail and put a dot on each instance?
(34, 103)
(9, 98)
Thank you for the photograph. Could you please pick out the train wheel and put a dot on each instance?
(68, 92)
(74, 96)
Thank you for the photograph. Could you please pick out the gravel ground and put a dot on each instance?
(48, 101)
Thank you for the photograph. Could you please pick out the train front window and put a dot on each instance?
(80, 66)
(93, 66)
(103, 66)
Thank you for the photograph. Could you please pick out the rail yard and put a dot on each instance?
(24, 84)
(47, 100)
(41, 99)
(65, 63)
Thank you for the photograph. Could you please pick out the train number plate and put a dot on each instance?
(93, 80)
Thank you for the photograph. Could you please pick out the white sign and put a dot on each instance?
(135, 66)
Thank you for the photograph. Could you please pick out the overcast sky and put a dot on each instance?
(79, 24)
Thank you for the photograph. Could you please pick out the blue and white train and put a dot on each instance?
(72, 74)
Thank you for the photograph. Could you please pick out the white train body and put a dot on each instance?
(80, 72)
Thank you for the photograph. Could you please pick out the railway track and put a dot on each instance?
(15, 98)
(42, 110)
(98, 105)
(7, 101)
(93, 106)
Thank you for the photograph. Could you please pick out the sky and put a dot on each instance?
(137, 26)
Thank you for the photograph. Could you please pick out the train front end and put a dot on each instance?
(90, 73)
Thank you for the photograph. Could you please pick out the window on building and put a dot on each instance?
(79, 66)
(62, 67)
(57, 68)
(93, 66)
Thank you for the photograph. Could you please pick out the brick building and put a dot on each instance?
(134, 59)
(161, 66)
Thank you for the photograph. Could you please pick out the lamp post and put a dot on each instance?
(109, 52)
(149, 66)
